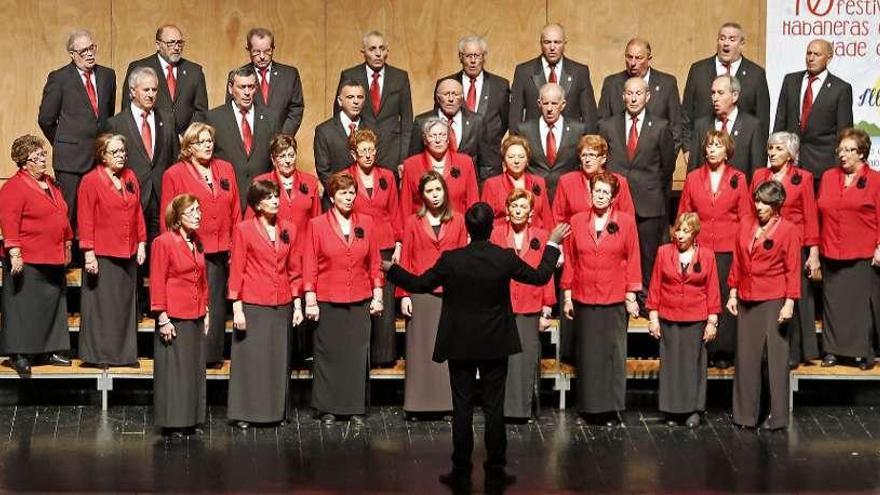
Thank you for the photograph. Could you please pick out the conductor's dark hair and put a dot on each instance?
(478, 220)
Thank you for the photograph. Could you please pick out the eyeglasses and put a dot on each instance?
(85, 51)
(471, 56)
(117, 152)
(203, 142)
(590, 156)
(40, 155)
(365, 152)
(256, 53)
(846, 150)
(173, 43)
(195, 212)
(286, 155)
(441, 136)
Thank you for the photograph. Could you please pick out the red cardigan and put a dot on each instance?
(573, 196)
(497, 188)
(526, 299)
(337, 270)
(719, 213)
(461, 182)
(770, 267)
(299, 206)
(33, 221)
(221, 208)
(421, 248)
(850, 216)
(684, 297)
(603, 270)
(383, 205)
(799, 207)
(110, 223)
(178, 278)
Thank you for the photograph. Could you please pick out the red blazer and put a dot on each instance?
(297, 207)
(261, 271)
(33, 221)
(769, 267)
(850, 216)
(799, 207)
(461, 181)
(337, 270)
(573, 196)
(109, 222)
(719, 213)
(684, 297)
(526, 299)
(178, 278)
(421, 248)
(383, 205)
(603, 270)
(221, 208)
(497, 188)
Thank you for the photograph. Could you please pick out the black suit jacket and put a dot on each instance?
(149, 172)
(665, 102)
(476, 320)
(749, 140)
(493, 104)
(285, 96)
(191, 96)
(567, 159)
(332, 151)
(67, 119)
(754, 98)
(394, 121)
(472, 140)
(831, 113)
(229, 146)
(650, 172)
(575, 80)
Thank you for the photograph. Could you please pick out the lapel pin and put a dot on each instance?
(736, 133)
(569, 78)
(261, 116)
(161, 124)
(828, 85)
(656, 88)
(650, 123)
(274, 72)
(184, 72)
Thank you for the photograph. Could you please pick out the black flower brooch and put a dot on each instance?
(698, 267)
(734, 181)
(535, 243)
(863, 181)
(285, 237)
(224, 184)
(303, 188)
(359, 232)
(383, 184)
(536, 190)
(129, 186)
(796, 178)
(768, 244)
(612, 228)
(455, 172)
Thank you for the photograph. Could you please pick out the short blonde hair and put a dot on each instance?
(689, 220)
(176, 208)
(191, 136)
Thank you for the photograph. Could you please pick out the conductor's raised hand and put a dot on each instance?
(560, 232)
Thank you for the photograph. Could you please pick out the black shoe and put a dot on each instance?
(693, 420)
(215, 365)
(21, 365)
(768, 425)
(671, 423)
(723, 364)
(241, 425)
(829, 360)
(173, 433)
(57, 360)
(793, 365)
(328, 419)
(459, 482)
(865, 364)
(496, 483)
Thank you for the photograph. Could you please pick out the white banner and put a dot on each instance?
(853, 28)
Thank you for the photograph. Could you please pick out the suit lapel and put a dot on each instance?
(153, 61)
(81, 87)
(485, 95)
(260, 130)
(276, 79)
(467, 127)
(827, 87)
(540, 156)
(232, 127)
(538, 74)
(565, 77)
(390, 82)
(135, 132)
(159, 131)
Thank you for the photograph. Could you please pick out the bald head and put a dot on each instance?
(637, 57)
(819, 54)
(449, 97)
(553, 42)
(635, 95)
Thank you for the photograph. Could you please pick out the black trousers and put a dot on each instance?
(68, 182)
(463, 379)
(651, 233)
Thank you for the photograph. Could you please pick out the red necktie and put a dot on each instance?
(90, 91)
(147, 134)
(551, 146)
(453, 140)
(352, 128)
(375, 93)
(807, 105)
(247, 138)
(172, 82)
(726, 69)
(264, 85)
(633, 141)
(552, 77)
(471, 101)
(724, 125)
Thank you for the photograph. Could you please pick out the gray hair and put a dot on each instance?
(734, 25)
(243, 71)
(479, 40)
(370, 34)
(789, 140)
(77, 34)
(546, 88)
(139, 73)
(431, 122)
(771, 193)
(735, 86)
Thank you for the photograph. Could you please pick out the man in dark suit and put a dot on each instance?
(754, 98)
(477, 333)
(641, 148)
(243, 130)
(486, 94)
(553, 67)
(750, 142)
(663, 103)
(181, 82)
(389, 100)
(816, 117)
(77, 101)
(465, 127)
(552, 138)
(332, 148)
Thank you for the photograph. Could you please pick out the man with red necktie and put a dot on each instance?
(332, 148)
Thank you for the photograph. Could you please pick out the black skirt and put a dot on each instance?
(682, 367)
(850, 293)
(725, 339)
(34, 310)
(179, 376)
(522, 369)
(108, 329)
(217, 265)
(342, 343)
(601, 357)
(802, 327)
(382, 337)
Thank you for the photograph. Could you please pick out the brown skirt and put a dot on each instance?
(34, 310)
(427, 385)
(849, 296)
(522, 369)
(682, 367)
(342, 345)
(179, 376)
(108, 331)
(601, 357)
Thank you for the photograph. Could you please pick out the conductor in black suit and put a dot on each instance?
(182, 88)
(816, 117)
(477, 332)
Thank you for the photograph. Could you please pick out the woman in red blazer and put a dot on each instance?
(496, 190)
(377, 197)
(37, 239)
(683, 305)
(719, 194)
(343, 287)
(457, 170)
(849, 210)
(212, 181)
(179, 296)
(434, 229)
(764, 284)
(600, 279)
(531, 304)
(265, 281)
(800, 209)
(113, 239)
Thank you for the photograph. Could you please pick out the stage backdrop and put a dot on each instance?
(853, 27)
